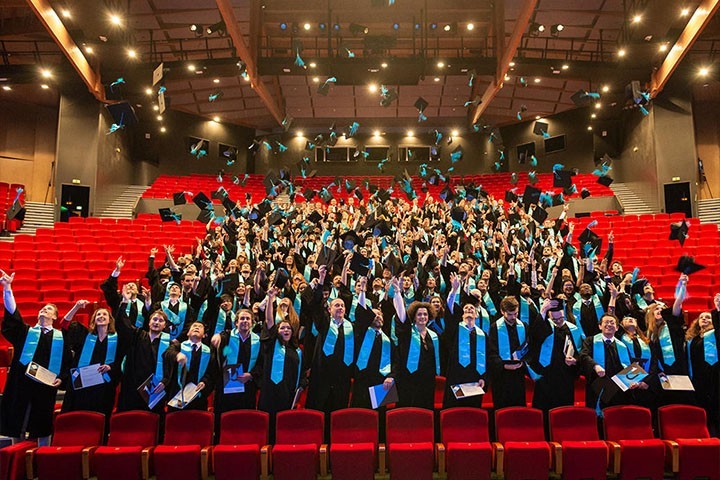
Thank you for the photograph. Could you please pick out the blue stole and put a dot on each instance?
(547, 345)
(464, 348)
(366, 349)
(485, 323)
(333, 294)
(640, 301)
(524, 310)
(353, 308)
(644, 347)
(414, 351)
(666, 346)
(89, 348)
(487, 300)
(307, 271)
(331, 339)
(504, 338)
(709, 348)
(232, 350)
(599, 351)
(442, 284)
(203, 307)
(577, 311)
(221, 320)
(139, 320)
(56, 348)
(176, 319)
(437, 325)
(186, 348)
(297, 303)
(164, 344)
(277, 369)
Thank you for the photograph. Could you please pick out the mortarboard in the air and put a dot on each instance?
(179, 198)
(638, 286)
(686, 264)
(270, 180)
(315, 217)
(383, 195)
(389, 97)
(515, 219)
(447, 194)
(563, 178)
(539, 215)
(309, 194)
(393, 264)
(540, 128)
(350, 239)
(421, 104)
(220, 193)
(230, 205)
(264, 207)
(309, 146)
(458, 214)
(605, 180)
(557, 200)
(325, 195)
(372, 188)
(326, 256)
(531, 195)
(359, 264)
(471, 192)
(202, 201)
(588, 236)
(679, 231)
(350, 185)
(275, 218)
(381, 229)
(281, 278)
(358, 193)
(205, 216)
(167, 215)
(584, 193)
(581, 98)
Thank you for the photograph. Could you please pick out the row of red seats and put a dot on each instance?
(521, 451)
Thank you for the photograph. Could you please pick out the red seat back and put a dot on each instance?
(682, 421)
(133, 428)
(569, 424)
(244, 427)
(79, 429)
(300, 427)
(627, 422)
(464, 424)
(519, 424)
(354, 425)
(189, 427)
(410, 425)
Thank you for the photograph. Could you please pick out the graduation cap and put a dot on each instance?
(281, 278)
(393, 264)
(540, 215)
(167, 215)
(679, 231)
(205, 216)
(541, 128)
(381, 229)
(360, 264)
(591, 238)
(584, 193)
(220, 193)
(383, 195)
(275, 218)
(582, 98)
(325, 195)
(202, 201)
(638, 287)
(605, 180)
(309, 194)
(350, 239)
(16, 211)
(458, 214)
(263, 208)
(372, 188)
(447, 194)
(686, 264)
(179, 198)
(388, 96)
(229, 204)
(350, 185)
(563, 178)
(358, 193)
(421, 104)
(531, 195)
(326, 256)
(315, 217)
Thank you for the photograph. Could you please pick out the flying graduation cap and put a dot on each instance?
(179, 198)
(387, 95)
(541, 129)
(324, 88)
(583, 98)
(679, 232)
(168, 215)
(421, 104)
(686, 264)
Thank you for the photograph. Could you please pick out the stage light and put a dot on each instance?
(441, 64)
(65, 13)
(46, 73)
(470, 27)
(598, 106)
(376, 133)
(372, 87)
(132, 53)
(396, 26)
(511, 64)
(357, 29)
(88, 49)
(115, 20)
(218, 27)
(433, 26)
(417, 26)
(450, 27)
(454, 133)
(556, 29)
(594, 115)
(536, 29)
(307, 26)
(7, 88)
(336, 27)
(384, 65)
(704, 71)
(663, 47)
(605, 88)
(637, 19)
(148, 91)
(159, 118)
(45, 86)
(163, 129)
(622, 52)
(590, 128)
(156, 108)
(191, 67)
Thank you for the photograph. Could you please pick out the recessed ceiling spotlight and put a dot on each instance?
(132, 53)
(605, 88)
(441, 64)
(216, 119)
(312, 64)
(565, 66)
(88, 49)
(454, 133)
(65, 13)
(45, 86)
(148, 91)
(622, 52)
(410, 133)
(372, 87)
(115, 19)
(537, 80)
(470, 26)
(307, 26)
(216, 80)
(637, 19)
(46, 73)
(7, 88)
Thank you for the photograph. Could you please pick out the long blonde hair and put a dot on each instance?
(653, 329)
(111, 323)
(694, 330)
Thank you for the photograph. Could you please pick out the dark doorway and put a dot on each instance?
(74, 202)
(677, 198)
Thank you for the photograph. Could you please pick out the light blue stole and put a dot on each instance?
(164, 344)
(186, 348)
(640, 301)
(366, 349)
(524, 310)
(277, 369)
(56, 348)
(709, 348)
(331, 339)
(414, 351)
(599, 351)
(232, 350)
(504, 338)
(644, 347)
(547, 345)
(307, 271)
(176, 319)
(139, 320)
(577, 312)
(666, 346)
(297, 303)
(485, 319)
(464, 348)
(487, 300)
(221, 321)
(89, 348)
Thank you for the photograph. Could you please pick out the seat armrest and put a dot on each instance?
(614, 455)
(323, 460)
(264, 461)
(30, 463)
(674, 449)
(499, 454)
(86, 454)
(556, 452)
(205, 456)
(145, 457)
(440, 454)
(381, 459)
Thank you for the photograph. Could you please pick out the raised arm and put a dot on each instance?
(8, 297)
(398, 301)
(270, 307)
(680, 295)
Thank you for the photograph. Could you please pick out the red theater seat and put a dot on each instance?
(12, 461)
(184, 451)
(242, 452)
(298, 452)
(689, 446)
(354, 444)
(522, 446)
(635, 452)
(465, 452)
(410, 435)
(579, 452)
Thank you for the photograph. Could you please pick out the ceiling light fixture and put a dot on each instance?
(470, 27)
(376, 133)
(357, 29)
(454, 133)
(556, 29)
(45, 86)
(410, 133)
(216, 80)
(216, 119)
(46, 73)
(89, 49)
(622, 52)
(65, 13)
(148, 91)
(536, 29)
(704, 71)
(605, 88)
(565, 66)
(441, 64)
(684, 12)
(191, 67)
(300, 134)
(132, 53)
(115, 20)
(663, 47)
(537, 80)
(637, 19)
(7, 88)
(307, 26)
(163, 129)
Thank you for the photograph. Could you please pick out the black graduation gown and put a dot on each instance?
(211, 316)
(415, 389)
(248, 398)
(508, 386)
(113, 298)
(276, 397)
(370, 375)
(588, 318)
(603, 388)
(193, 370)
(140, 362)
(676, 328)
(175, 308)
(23, 396)
(706, 380)
(456, 373)
(98, 398)
(556, 388)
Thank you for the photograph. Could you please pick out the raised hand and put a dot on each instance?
(153, 251)
(82, 303)
(6, 280)
(119, 263)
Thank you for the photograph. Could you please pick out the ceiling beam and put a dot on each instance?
(47, 16)
(697, 23)
(526, 10)
(228, 15)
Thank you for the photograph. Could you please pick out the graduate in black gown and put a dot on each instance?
(197, 364)
(97, 344)
(27, 405)
(135, 304)
(148, 353)
(508, 336)
(702, 342)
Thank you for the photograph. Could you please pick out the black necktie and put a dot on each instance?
(612, 362)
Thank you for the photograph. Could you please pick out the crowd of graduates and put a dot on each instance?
(336, 299)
